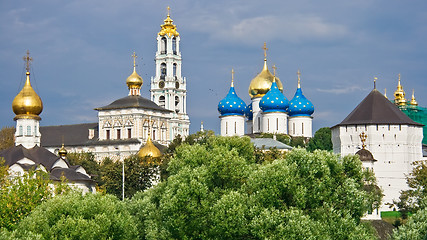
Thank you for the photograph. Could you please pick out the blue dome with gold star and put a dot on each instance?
(300, 105)
(231, 104)
(274, 100)
(249, 113)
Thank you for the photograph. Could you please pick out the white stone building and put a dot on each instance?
(392, 137)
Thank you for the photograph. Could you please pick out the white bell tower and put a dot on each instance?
(168, 87)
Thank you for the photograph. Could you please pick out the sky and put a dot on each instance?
(82, 52)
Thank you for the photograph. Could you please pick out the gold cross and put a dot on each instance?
(375, 82)
(265, 49)
(299, 78)
(169, 11)
(274, 69)
(134, 59)
(363, 138)
(28, 59)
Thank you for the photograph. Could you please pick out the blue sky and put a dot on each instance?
(82, 52)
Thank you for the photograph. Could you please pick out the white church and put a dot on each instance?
(269, 111)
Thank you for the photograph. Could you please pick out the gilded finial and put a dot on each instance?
(385, 93)
(134, 59)
(375, 82)
(265, 50)
(398, 84)
(363, 138)
(413, 102)
(299, 78)
(169, 11)
(27, 60)
(232, 77)
(274, 72)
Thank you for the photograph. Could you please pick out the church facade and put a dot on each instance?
(269, 111)
(126, 124)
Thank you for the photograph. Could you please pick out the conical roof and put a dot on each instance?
(376, 109)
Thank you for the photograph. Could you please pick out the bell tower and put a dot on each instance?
(168, 87)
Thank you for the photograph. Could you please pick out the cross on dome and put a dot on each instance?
(232, 77)
(134, 56)
(299, 78)
(27, 60)
(265, 49)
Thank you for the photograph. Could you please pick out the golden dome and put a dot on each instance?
(134, 80)
(62, 151)
(399, 95)
(27, 104)
(168, 28)
(261, 84)
(149, 150)
(413, 102)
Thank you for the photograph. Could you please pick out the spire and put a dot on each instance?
(134, 61)
(375, 82)
(168, 28)
(27, 60)
(232, 77)
(274, 72)
(265, 51)
(299, 79)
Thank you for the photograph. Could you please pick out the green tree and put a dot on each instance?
(20, 195)
(7, 137)
(322, 140)
(216, 190)
(416, 226)
(88, 162)
(76, 216)
(298, 142)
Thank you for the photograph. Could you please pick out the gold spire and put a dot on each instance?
(375, 82)
(299, 79)
(232, 79)
(27, 104)
(385, 93)
(149, 149)
(363, 138)
(413, 102)
(399, 95)
(261, 84)
(134, 81)
(62, 152)
(168, 28)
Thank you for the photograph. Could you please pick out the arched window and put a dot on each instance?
(176, 103)
(163, 70)
(162, 101)
(28, 130)
(163, 46)
(21, 131)
(174, 70)
(174, 45)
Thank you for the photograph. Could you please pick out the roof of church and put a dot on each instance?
(42, 156)
(376, 109)
(133, 102)
(268, 143)
(70, 135)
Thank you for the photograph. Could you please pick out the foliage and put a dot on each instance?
(410, 200)
(322, 140)
(216, 190)
(20, 195)
(7, 137)
(139, 175)
(416, 227)
(298, 142)
(76, 216)
(88, 162)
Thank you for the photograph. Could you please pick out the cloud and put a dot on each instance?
(342, 90)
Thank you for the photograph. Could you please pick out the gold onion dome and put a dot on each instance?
(134, 80)
(27, 104)
(399, 95)
(261, 84)
(413, 102)
(168, 28)
(62, 151)
(149, 150)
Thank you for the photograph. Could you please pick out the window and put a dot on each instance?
(129, 132)
(118, 133)
(163, 46)
(107, 134)
(235, 127)
(174, 70)
(259, 124)
(277, 124)
(21, 131)
(377, 127)
(162, 70)
(162, 101)
(302, 128)
(154, 134)
(35, 130)
(28, 130)
(293, 128)
(226, 128)
(268, 124)
(400, 127)
(174, 45)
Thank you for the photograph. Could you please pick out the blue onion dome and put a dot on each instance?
(249, 113)
(274, 100)
(231, 104)
(300, 105)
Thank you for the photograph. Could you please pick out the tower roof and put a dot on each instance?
(376, 109)
(168, 28)
(134, 80)
(231, 104)
(149, 149)
(299, 104)
(274, 100)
